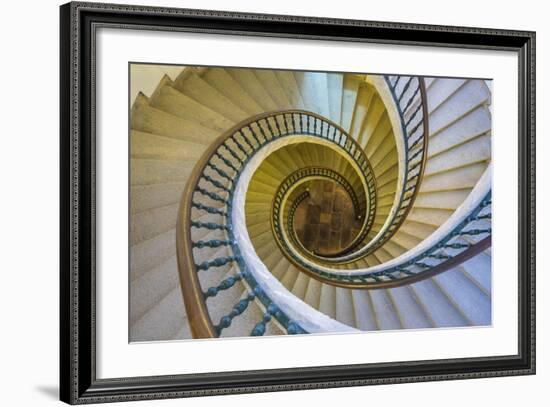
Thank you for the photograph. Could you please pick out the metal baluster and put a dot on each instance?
(409, 102)
(224, 285)
(262, 131)
(238, 309)
(405, 88)
(210, 225)
(240, 148)
(475, 232)
(418, 108)
(270, 128)
(254, 135)
(259, 328)
(415, 128)
(216, 183)
(396, 81)
(245, 139)
(287, 127)
(219, 262)
(200, 244)
(412, 157)
(226, 161)
(333, 133)
(416, 143)
(219, 171)
(213, 196)
(208, 209)
(277, 125)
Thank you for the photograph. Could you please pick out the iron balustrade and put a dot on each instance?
(464, 241)
(208, 195)
(206, 205)
(289, 216)
(358, 198)
(409, 96)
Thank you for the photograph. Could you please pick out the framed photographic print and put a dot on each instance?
(259, 202)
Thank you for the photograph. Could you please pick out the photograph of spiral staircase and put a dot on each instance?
(273, 202)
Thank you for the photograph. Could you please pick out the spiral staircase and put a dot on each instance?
(235, 172)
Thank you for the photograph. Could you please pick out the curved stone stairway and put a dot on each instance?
(172, 129)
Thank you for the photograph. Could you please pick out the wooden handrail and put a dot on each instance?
(194, 300)
(309, 172)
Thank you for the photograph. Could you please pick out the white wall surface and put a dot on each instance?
(29, 203)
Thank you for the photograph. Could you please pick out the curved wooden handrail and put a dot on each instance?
(440, 268)
(392, 227)
(345, 257)
(194, 299)
(305, 174)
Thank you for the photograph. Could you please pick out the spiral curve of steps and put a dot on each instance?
(173, 127)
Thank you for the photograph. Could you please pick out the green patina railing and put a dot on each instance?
(409, 96)
(358, 198)
(465, 240)
(290, 218)
(209, 193)
(207, 205)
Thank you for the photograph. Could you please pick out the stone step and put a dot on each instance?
(150, 253)
(290, 87)
(290, 276)
(363, 310)
(252, 85)
(345, 312)
(163, 322)
(335, 82)
(151, 120)
(349, 95)
(472, 302)
(314, 90)
(479, 269)
(300, 285)
(170, 100)
(271, 84)
(435, 217)
(469, 126)
(466, 98)
(440, 90)
(327, 300)
(147, 171)
(405, 240)
(224, 83)
(313, 293)
(151, 287)
(472, 151)
(374, 116)
(148, 224)
(442, 199)
(151, 146)
(457, 178)
(365, 95)
(437, 305)
(384, 310)
(145, 197)
(198, 89)
(410, 313)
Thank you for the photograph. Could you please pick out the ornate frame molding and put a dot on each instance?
(78, 380)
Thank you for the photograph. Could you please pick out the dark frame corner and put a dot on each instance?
(78, 383)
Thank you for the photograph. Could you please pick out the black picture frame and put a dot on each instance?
(78, 382)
